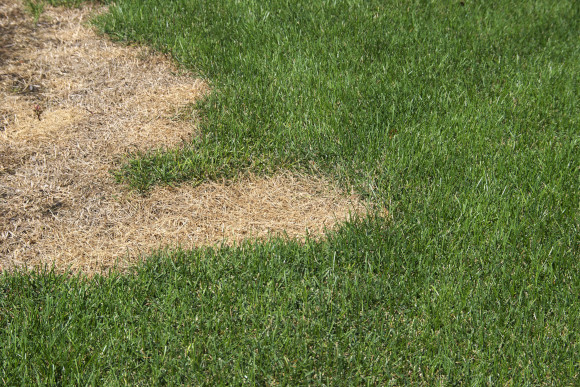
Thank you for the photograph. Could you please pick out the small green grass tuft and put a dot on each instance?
(36, 8)
(73, 3)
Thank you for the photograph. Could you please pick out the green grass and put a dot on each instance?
(35, 8)
(462, 120)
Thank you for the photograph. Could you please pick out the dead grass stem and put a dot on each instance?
(71, 104)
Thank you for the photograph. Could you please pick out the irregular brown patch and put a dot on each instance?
(72, 102)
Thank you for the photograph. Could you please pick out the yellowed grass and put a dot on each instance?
(71, 104)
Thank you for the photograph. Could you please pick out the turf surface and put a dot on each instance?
(462, 120)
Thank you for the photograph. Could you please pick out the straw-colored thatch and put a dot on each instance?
(72, 103)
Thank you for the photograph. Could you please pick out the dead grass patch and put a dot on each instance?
(71, 103)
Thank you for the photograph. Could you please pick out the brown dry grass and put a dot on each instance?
(97, 100)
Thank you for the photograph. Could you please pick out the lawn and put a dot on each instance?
(461, 119)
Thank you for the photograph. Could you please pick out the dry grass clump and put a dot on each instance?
(71, 104)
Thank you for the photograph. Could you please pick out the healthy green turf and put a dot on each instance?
(463, 120)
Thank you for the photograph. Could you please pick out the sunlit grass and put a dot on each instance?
(461, 119)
